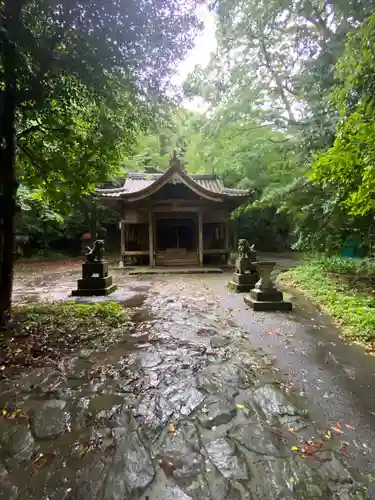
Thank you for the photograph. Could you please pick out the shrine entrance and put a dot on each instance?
(176, 240)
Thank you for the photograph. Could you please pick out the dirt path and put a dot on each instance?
(183, 407)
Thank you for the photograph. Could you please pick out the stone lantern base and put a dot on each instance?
(265, 296)
(270, 300)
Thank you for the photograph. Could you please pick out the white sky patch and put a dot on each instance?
(199, 55)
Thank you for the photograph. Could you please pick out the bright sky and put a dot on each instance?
(205, 44)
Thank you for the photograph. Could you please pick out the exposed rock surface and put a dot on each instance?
(50, 420)
(192, 412)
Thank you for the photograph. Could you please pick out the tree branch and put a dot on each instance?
(29, 130)
(26, 151)
(41, 128)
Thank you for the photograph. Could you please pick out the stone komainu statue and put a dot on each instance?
(95, 254)
(246, 255)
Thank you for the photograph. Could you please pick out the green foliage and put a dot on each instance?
(268, 88)
(89, 77)
(75, 149)
(348, 166)
(100, 314)
(363, 268)
(265, 228)
(46, 226)
(351, 307)
(154, 146)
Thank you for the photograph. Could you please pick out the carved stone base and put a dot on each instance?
(243, 282)
(89, 292)
(90, 269)
(245, 278)
(94, 286)
(92, 283)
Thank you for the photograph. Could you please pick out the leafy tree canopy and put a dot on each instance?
(348, 167)
(88, 76)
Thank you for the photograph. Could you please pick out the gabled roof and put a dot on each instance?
(142, 185)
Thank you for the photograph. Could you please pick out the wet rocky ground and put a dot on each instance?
(182, 407)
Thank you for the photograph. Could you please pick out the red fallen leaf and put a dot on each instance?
(273, 332)
(309, 448)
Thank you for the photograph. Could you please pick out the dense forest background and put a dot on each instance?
(289, 112)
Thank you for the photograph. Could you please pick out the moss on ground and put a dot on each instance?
(40, 334)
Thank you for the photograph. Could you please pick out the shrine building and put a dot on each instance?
(174, 218)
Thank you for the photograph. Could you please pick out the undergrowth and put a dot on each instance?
(40, 334)
(331, 283)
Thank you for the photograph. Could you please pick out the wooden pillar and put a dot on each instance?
(200, 238)
(151, 238)
(226, 241)
(122, 223)
(226, 236)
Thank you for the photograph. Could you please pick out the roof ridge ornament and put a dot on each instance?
(175, 161)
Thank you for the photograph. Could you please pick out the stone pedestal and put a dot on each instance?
(243, 282)
(90, 269)
(265, 296)
(95, 280)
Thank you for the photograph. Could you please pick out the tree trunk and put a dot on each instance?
(277, 80)
(93, 219)
(8, 182)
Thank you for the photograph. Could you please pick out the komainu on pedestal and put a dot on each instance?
(245, 274)
(95, 279)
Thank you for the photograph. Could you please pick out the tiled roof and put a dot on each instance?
(136, 182)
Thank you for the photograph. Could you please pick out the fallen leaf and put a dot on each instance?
(42, 459)
(273, 332)
(84, 451)
(328, 435)
(294, 448)
(336, 429)
(240, 406)
(171, 428)
(344, 449)
(348, 426)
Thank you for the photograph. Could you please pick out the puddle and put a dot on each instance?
(143, 315)
(134, 301)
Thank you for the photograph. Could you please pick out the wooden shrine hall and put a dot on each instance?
(174, 218)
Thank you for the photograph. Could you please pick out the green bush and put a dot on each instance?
(343, 265)
(100, 314)
(351, 308)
